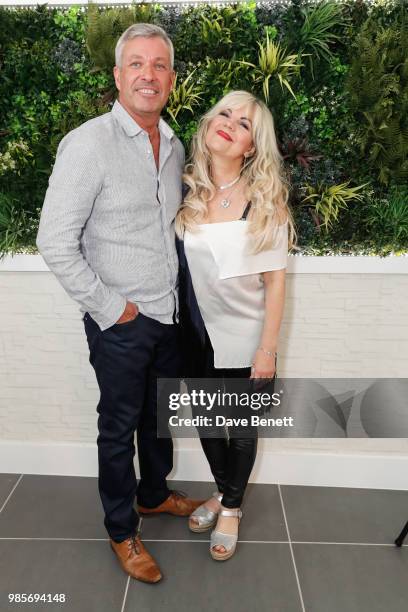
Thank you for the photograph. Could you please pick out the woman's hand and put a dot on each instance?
(263, 366)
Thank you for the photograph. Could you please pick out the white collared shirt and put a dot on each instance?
(229, 287)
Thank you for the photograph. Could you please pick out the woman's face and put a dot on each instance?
(229, 133)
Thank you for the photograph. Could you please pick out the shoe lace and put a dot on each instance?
(133, 543)
(179, 493)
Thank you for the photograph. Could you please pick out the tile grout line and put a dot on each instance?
(206, 541)
(11, 493)
(125, 595)
(349, 543)
(291, 551)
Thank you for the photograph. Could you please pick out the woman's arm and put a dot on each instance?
(274, 282)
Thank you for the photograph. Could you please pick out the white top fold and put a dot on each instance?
(229, 287)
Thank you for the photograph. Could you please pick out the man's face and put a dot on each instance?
(145, 78)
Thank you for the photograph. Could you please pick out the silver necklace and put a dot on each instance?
(226, 202)
(222, 187)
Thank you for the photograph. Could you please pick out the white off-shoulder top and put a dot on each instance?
(229, 287)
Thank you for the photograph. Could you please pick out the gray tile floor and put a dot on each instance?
(301, 549)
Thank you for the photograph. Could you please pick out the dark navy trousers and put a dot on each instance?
(127, 359)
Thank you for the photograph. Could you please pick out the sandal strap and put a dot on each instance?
(203, 514)
(227, 540)
(236, 513)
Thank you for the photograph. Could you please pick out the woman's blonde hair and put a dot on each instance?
(263, 174)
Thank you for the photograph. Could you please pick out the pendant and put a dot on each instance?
(225, 203)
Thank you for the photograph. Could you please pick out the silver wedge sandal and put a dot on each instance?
(206, 518)
(227, 540)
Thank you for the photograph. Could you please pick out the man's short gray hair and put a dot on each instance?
(147, 30)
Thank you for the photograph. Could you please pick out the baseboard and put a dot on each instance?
(311, 468)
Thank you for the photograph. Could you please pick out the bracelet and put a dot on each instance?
(269, 353)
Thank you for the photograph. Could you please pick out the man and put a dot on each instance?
(107, 233)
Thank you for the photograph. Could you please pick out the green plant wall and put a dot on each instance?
(334, 74)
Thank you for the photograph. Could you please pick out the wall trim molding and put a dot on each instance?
(297, 264)
(369, 470)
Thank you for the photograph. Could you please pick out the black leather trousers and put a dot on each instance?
(231, 458)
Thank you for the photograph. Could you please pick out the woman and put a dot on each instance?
(233, 230)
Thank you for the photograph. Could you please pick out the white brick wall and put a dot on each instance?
(345, 325)
(334, 325)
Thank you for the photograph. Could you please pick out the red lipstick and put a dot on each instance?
(224, 135)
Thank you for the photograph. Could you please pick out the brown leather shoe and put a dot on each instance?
(135, 560)
(177, 503)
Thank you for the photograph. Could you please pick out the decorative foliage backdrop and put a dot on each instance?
(334, 74)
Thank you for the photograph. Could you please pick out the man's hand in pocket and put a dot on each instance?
(131, 311)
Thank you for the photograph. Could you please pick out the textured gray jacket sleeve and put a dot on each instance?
(74, 185)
